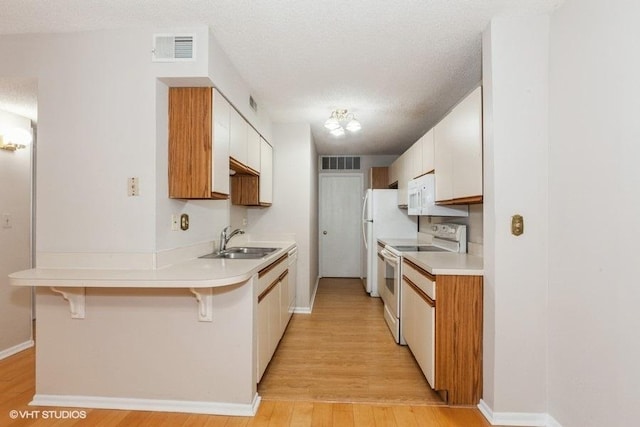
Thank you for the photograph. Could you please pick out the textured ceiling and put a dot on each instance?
(399, 65)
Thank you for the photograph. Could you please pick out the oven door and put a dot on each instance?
(389, 288)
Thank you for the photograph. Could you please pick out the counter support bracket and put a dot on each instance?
(76, 298)
(204, 297)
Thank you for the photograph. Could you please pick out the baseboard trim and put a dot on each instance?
(185, 406)
(529, 419)
(308, 310)
(16, 349)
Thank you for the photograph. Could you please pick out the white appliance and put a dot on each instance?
(445, 238)
(382, 218)
(422, 196)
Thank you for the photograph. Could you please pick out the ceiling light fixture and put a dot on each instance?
(334, 123)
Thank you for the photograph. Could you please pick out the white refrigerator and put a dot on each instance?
(381, 218)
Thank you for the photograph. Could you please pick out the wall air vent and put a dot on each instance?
(340, 163)
(173, 47)
(253, 104)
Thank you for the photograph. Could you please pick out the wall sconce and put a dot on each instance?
(16, 139)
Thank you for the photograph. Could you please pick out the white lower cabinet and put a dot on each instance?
(419, 329)
(273, 311)
(441, 321)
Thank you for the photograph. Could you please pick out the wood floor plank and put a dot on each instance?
(322, 415)
(343, 415)
(302, 414)
(383, 417)
(363, 415)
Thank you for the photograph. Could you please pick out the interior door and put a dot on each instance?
(340, 220)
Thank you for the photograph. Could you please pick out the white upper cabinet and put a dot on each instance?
(238, 137)
(458, 152)
(266, 173)
(253, 149)
(427, 152)
(220, 153)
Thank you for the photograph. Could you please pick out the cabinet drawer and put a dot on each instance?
(422, 279)
(269, 274)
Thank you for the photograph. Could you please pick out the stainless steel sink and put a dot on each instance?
(246, 252)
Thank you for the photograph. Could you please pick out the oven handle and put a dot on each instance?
(388, 256)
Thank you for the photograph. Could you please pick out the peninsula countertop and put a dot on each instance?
(192, 273)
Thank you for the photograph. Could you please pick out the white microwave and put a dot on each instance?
(421, 199)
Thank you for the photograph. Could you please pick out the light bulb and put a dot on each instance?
(332, 123)
(354, 125)
(339, 131)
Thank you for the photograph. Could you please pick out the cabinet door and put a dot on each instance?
(190, 148)
(467, 150)
(403, 179)
(284, 303)
(266, 173)
(253, 149)
(418, 326)
(393, 171)
(444, 139)
(275, 324)
(427, 152)
(220, 151)
(414, 161)
(263, 337)
(238, 137)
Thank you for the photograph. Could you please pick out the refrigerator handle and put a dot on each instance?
(364, 220)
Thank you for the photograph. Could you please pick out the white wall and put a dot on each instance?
(594, 213)
(294, 209)
(15, 242)
(515, 79)
(103, 118)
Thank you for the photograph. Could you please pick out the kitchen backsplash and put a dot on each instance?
(474, 227)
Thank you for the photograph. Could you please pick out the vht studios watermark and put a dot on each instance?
(47, 415)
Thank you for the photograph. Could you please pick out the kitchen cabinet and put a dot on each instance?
(254, 190)
(266, 174)
(393, 173)
(379, 178)
(198, 144)
(441, 321)
(273, 291)
(253, 149)
(238, 142)
(403, 180)
(428, 148)
(458, 153)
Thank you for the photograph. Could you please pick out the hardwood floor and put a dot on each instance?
(341, 345)
(344, 352)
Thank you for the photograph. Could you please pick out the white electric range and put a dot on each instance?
(445, 237)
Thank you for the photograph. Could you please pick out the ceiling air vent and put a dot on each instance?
(340, 163)
(173, 48)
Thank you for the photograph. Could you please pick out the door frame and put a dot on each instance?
(322, 175)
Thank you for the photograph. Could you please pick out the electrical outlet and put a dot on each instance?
(132, 187)
(175, 222)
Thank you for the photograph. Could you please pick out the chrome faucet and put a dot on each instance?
(224, 238)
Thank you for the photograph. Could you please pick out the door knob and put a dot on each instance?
(324, 232)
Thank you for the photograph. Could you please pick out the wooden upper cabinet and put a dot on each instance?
(254, 190)
(379, 177)
(458, 152)
(198, 159)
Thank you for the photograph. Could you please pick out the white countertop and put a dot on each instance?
(192, 273)
(447, 263)
(443, 263)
